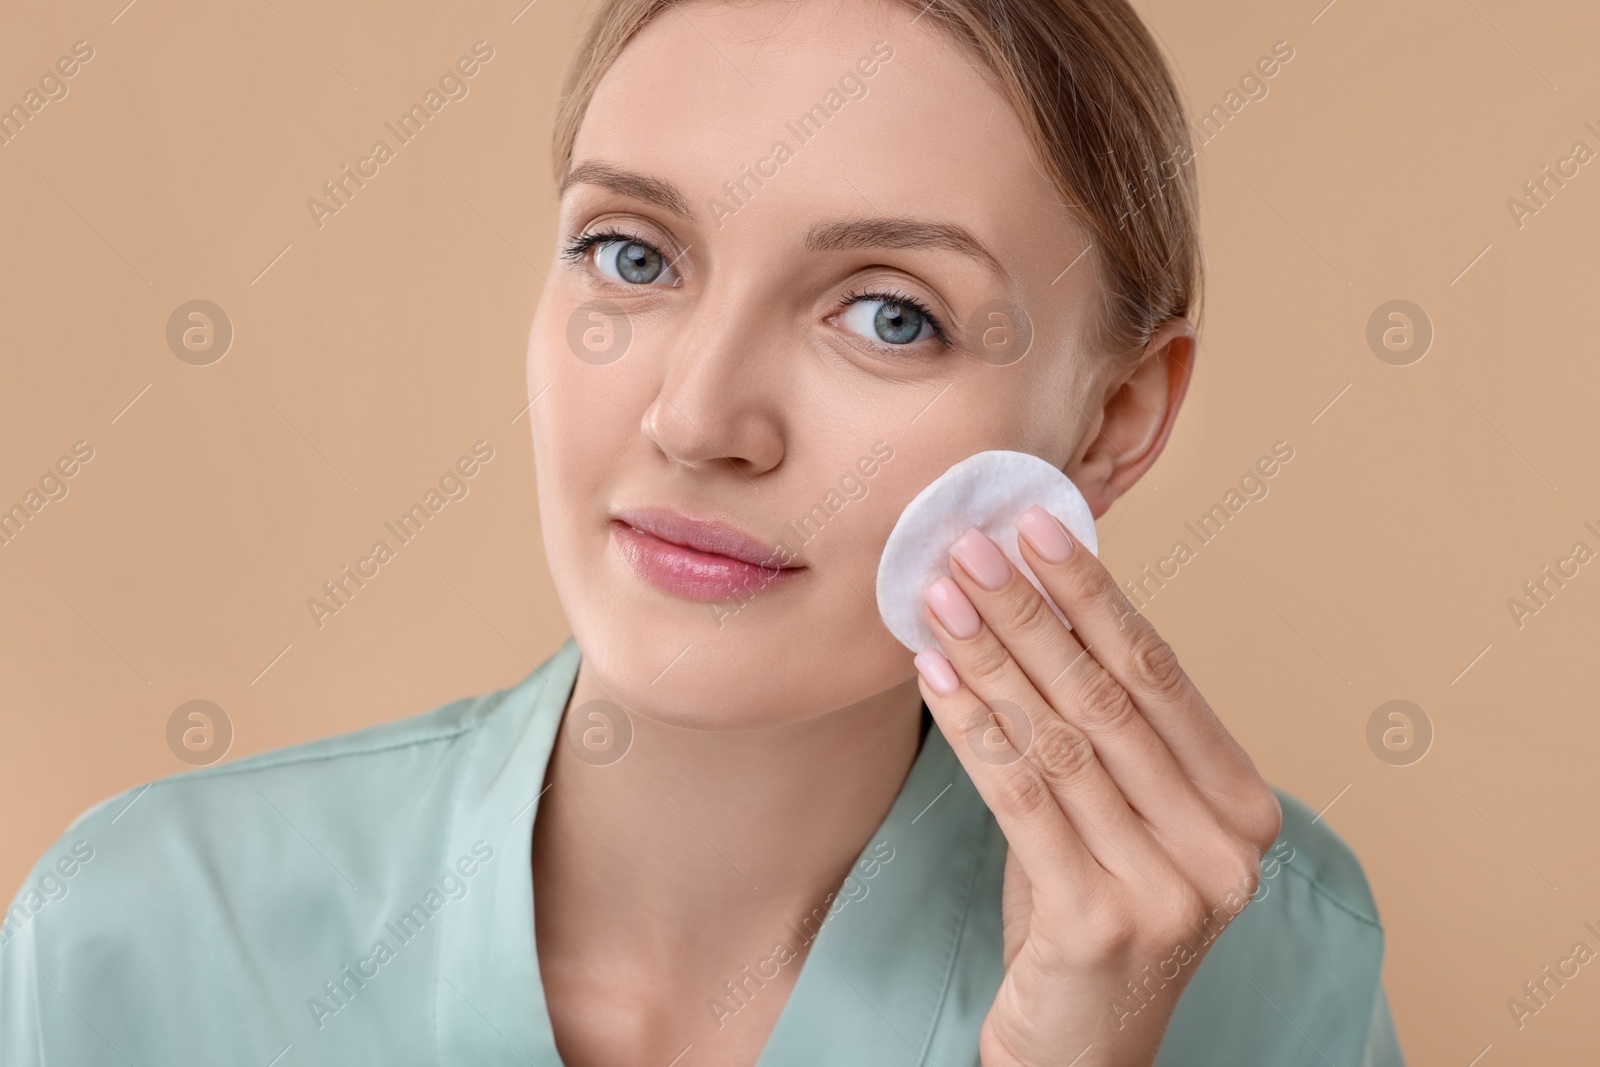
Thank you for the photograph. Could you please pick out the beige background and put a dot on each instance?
(370, 354)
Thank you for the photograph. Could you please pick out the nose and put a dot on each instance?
(719, 398)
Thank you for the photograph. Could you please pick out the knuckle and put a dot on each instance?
(1030, 615)
(988, 659)
(1086, 581)
(1155, 665)
(1062, 752)
(1061, 942)
(1245, 866)
(1231, 866)
(1261, 818)
(1111, 925)
(1104, 704)
(1182, 911)
(1217, 909)
(1232, 877)
(1271, 818)
(1023, 792)
(1125, 615)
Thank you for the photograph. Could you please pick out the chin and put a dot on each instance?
(770, 664)
(669, 663)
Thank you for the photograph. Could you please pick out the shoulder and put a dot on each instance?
(328, 775)
(249, 881)
(281, 839)
(203, 814)
(1300, 962)
(1310, 851)
(347, 773)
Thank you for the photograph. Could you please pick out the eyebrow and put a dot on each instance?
(900, 232)
(880, 232)
(655, 191)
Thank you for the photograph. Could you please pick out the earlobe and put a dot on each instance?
(1136, 417)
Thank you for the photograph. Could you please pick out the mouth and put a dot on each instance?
(698, 559)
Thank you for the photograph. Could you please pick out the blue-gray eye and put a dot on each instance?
(633, 263)
(888, 321)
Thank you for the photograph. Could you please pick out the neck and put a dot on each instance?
(700, 838)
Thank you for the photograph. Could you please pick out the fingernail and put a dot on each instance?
(953, 608)
(982, 559)
(937, 672)
(1041, 530)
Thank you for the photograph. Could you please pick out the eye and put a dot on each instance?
(622, 258)
(890, 318)
(633, 262)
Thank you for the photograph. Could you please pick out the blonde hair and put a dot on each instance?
(1100, 107)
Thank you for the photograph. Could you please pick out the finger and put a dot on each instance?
(1039, 835)
(1130, 650)
(1060, 753)
(1081, 691)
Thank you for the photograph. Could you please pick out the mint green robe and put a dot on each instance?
(366, 899)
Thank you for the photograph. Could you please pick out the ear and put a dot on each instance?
(1135, 417)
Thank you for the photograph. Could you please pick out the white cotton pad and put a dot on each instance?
(988, 491)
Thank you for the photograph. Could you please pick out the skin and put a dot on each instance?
(771, 735)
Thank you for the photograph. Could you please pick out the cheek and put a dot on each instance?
(579, 421)
(584, 406)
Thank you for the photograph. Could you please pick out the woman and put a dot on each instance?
(754, 834)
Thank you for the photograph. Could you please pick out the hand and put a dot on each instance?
(1135, 822)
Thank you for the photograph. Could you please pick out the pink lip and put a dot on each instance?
(697, 559)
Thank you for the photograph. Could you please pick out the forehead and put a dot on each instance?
(877, 110)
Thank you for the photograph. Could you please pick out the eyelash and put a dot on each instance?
(581, 245)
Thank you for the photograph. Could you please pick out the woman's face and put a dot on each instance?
(787, 231)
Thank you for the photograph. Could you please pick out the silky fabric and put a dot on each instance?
(367, 899)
